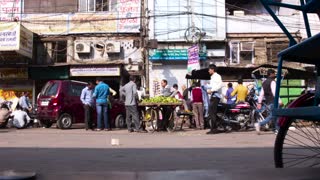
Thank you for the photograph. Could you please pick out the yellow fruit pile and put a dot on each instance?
(161, 99)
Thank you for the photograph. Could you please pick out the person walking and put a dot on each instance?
(129, 90)
(214, 90)
(88, 104)
(241, 91)
(197, 105)
(268, 92)
(101, 93)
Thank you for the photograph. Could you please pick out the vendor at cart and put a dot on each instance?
(167, 110)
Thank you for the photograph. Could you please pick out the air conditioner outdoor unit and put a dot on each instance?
(82, 47)
(112, 47)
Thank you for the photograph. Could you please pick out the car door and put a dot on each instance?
(75, 102)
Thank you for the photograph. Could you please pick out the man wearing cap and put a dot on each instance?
(268, 92)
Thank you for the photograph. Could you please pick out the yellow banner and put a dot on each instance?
(46, 23)
(93, 23)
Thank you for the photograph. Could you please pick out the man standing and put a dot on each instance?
(167, 110)
(101, 93)
(197, 105)
(129, 90)
(165, 91)
(268, 91)
(215, 94)
(240, 91)
(88, 103)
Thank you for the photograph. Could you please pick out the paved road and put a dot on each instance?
(79, 154)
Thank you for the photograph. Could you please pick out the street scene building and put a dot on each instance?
(80, 40)
(204, 89)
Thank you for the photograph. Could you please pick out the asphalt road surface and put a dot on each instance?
(190, 154)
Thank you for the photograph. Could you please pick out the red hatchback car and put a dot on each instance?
(59, 102)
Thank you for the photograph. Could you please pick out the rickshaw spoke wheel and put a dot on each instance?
(298, 144)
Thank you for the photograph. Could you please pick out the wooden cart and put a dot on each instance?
(152, 115)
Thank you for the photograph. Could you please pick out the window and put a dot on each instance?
(241, 52)
(75, 89)
(94, 5)
(50, 89)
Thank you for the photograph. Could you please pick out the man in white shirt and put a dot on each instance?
(20, 118)
(215, 94)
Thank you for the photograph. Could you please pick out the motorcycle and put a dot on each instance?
(235, 116)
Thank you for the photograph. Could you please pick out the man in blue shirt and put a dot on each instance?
(88, 103)
(101, 93)
(24, 102)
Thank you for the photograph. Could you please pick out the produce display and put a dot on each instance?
(160, 100)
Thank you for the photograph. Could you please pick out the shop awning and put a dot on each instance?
(49, 72)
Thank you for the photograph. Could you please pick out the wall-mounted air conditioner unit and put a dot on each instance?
(112, 47)
(82, 47)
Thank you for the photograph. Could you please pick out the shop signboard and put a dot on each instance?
(94, 71)
(13, 73)
(172, 54)
(15, 37)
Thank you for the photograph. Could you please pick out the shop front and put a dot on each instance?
(113, 75)
(41, 74)
(172, 65)
(14, 81)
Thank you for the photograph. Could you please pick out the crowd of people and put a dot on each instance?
(204, 99)
(14, 111)
(200, 100)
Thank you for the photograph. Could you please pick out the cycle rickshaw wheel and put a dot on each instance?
(151, 118)
(298, 144)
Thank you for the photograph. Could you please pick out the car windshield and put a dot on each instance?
(50, 89)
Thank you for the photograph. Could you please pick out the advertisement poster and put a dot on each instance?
(193, 58)
(10, 10)
(129, 13)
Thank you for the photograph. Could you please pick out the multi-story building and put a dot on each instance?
(82, 39)
(237, 36)
(178, 25)
(73, 39)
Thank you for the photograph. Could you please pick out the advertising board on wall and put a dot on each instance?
(15, 37)
(124, 18)
(94, 71)
(129, 15)
(10, 10)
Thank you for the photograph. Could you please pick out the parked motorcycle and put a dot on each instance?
(235, 116)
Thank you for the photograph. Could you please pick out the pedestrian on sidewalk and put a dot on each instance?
(88, 104)
(101, 93)
(268, 93)
(129, 90)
